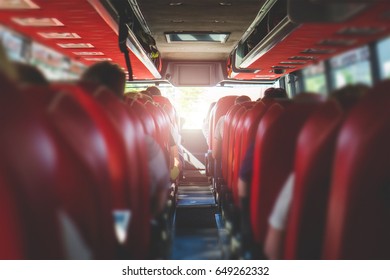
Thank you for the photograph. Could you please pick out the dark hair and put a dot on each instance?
(275, 93)
(347, 96)
(153, 90)
(30, 75)
(107, 74)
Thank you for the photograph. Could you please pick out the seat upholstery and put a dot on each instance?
(273, 161)
(226, 139)
(31, 162)
(246, 135)
(220, 109)
(312, 168)
(357, 224)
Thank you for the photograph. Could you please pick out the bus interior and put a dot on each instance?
(76, 180)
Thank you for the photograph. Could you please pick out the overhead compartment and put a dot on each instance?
(288, 35)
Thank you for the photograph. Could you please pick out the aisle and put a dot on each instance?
(195, 229)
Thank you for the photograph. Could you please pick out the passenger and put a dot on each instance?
(106, 74)
(218, 131)
(113, 77)
(271, 93)
(153, 90)
(273, 247)
(30, 75)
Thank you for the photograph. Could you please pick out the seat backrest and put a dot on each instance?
(273, 161)
(162, 125)
(167, 107)
(30, 159)
(145, 117)
(91, 138)
(245, 135)
(11, 237)
(232, 136)
(136, 194)
(226, 139)
(357, 223)
(220, 109)
(312, 168)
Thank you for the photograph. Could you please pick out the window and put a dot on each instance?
(314, 78)
(192, 103)
(384, 58)
(352, 67)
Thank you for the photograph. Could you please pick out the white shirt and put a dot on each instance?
(278, 217)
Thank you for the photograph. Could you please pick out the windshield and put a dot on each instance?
(192, 103)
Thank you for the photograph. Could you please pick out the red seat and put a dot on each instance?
(273, 161)
(232, 136)
(85, 187)
(30, 160)
(167, 106)
(145, 117)
(136, 195)
(11, 236)
(163, 129)
(226, 139)
(312, 169)
(249, 123)
(357, 224)
(220, 109)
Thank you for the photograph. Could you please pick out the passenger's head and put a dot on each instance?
(30, 75)
(153, 90)
(242, 99)
(271, 93)
(107, 74)
(349, 95)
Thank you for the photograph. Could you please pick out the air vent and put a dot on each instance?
(88, 53)
(55, 35)
(283, 67)
(318, 51)
(293, 62)
(337, 42)
(98, 59)
(303, 57)
(76, 46)
(360, 31)
(17, 4)
(37, 21)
